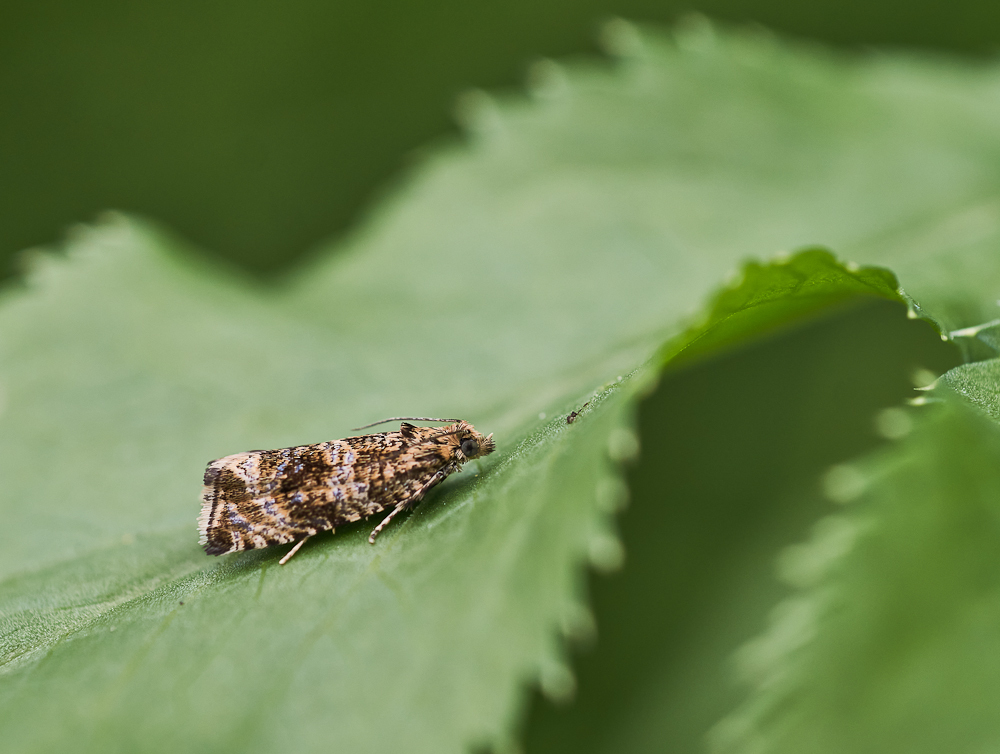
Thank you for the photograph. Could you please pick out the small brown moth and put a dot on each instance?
(269, 497)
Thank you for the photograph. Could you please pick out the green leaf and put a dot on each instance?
(891, 642)
(886, 644)
(732, 450)
(518, 275)
(472, 586)
(770, 296)
(979, 380)
(148, 368)
(146, 646)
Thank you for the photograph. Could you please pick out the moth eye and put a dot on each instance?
(469, 447)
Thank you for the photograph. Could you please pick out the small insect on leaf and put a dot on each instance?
(269, 497)
(572, 417)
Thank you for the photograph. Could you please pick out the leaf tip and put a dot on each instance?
(923, 379)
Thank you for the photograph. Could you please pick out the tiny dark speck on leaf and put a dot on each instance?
(572, 417)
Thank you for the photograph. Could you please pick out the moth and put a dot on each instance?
(270, 497)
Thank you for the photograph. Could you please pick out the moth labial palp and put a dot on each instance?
(267, 497)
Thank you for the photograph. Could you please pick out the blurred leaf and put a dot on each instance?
(733, 447)
(892, 642)
(291, 114)
(886, 645)
(690, 155)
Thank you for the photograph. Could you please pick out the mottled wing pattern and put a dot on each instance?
(268, 497)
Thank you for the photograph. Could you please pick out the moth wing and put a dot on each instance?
(253, 500)
(262, 498)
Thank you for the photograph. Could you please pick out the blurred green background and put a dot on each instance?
(256, 130)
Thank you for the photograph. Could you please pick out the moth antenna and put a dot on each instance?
(404, 419)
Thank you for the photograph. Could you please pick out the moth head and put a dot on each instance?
(474, 445)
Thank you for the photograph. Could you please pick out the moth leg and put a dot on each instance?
(385, 521)
(409, 502)
(290, 553)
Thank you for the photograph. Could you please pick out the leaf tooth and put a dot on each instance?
(696, 34)
(478, 114)
(557, 681)
(623, 445)
(606, 552)
(844, 483)
(620, 38)
(547, 80)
